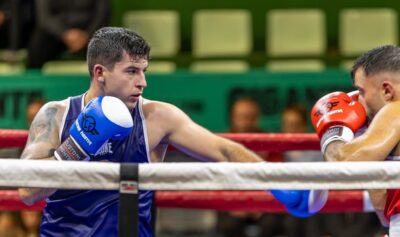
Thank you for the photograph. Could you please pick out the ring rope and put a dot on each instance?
(339, 201)
(274, 142)
(12, 138)
(258, 201)
(253, 201)
(10, 201)
(203, 176)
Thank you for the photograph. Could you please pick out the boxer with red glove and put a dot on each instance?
(336, 117)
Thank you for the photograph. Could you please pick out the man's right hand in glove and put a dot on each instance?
(102, 119)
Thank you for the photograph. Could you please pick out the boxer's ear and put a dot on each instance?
(388, 90)
(98, 72)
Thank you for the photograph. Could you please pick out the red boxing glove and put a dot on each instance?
(337, 116)
(354, 95)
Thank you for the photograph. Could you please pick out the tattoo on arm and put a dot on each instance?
(42, 127)
(42, 135)
(41, 144)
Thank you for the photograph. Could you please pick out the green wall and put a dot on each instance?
(205, 97)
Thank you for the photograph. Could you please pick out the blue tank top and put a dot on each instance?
(95, 212)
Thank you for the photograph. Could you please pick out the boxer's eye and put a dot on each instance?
(131, 71)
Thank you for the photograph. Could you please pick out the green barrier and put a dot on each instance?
(17, 90)
(206, 98)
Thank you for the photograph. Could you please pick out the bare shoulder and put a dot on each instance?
(43, 135)
(161, 110)
(389, 114)
(163, 119)
(391, 107)
(53, 110)
(56, 106)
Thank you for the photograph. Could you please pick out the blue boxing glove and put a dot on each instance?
(102, 119)
(302, 203)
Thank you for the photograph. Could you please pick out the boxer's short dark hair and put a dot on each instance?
(381, 59)
(107, 45)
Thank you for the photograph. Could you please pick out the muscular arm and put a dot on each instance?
(204, 145)
(381, 137)
(197, 141)
(42, 141)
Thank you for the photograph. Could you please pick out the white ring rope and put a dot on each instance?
(203, 176)
(59, 174)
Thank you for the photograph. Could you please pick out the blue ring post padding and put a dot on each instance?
(128, 209)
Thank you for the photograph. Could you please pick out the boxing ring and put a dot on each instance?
(173, 180)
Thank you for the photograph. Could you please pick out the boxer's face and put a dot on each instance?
(369, 88)
(126, 80)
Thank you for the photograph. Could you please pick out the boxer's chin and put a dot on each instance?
(131, 102)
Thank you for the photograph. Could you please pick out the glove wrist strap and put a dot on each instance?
(336, 133)
(70, 150)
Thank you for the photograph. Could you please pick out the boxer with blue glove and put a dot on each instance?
(329, 118)
(336, 116)
(103, 118)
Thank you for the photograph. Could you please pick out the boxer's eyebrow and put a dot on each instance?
(134, 68)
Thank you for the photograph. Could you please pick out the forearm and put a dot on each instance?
(235, 152)
(333, 151)
(42, 141)
(32, 195)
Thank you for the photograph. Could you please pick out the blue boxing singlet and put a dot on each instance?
(88, 213)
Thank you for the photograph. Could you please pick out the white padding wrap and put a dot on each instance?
(336, 133)
(317, 200)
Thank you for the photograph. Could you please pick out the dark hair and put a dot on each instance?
(380, 59)
(107, 45)
(244, 99)
(299, 110)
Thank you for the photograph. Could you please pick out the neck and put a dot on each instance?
(92, 93)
